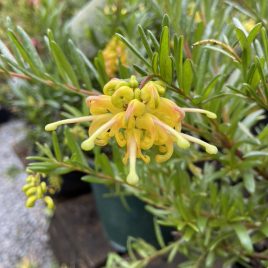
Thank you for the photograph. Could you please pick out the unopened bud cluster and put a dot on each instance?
(138, 118)
(36, 189)
(114, 52)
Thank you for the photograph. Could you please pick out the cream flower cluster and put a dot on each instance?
(138, 119)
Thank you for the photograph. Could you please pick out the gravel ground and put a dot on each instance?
(23, 232)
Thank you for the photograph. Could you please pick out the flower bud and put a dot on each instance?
(43, 187)
(122, 84)
(109, 88)
(39, 192)
(149, 94)
(122, 96)
(26, 187)
(49, 202)
(30, 201)
(31, 191)
(133, 81)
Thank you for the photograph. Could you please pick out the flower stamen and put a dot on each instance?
(88, 144)
(210, 149)
(195, 110)
(132, 177)
(53, 126)
(181, 141)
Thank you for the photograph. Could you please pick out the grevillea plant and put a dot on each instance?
(138, 117)
(216, 202)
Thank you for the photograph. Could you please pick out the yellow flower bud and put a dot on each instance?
(49, 202)
(31, 191)
(30, 178)
(137, 93)
(39, 192)
(150, 96)
(30, 201)
(122, 84)
(122, 96)
(43, 187)
(114, 51)
(109, 88)
(133, 81)
(26, 187)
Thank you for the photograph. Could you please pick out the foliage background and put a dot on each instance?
(211, 55)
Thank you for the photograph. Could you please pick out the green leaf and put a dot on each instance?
(217, 240)
(145, 41)
(173, 252)
(243, 237)
(45, 150)
(187, 76)
(155, 43)
(265, 43)
(94, 179)
(256, 154)
(124, 71)
(254, 32)
(42, 166)
(22, 52)
(264, 229)
(210, 259)
(64, 66)
(155, 63)
(80, 65)
(134, 50)
(5, 52)
(77, 153)
(88, 63)
(140, 70)
(100, 66)
(56, 146)
(104, 162)
(178, 57)
(27, 43)
(62, 170)
(210, 86)
(249, 182)
(165, 61)
(189, 232)
(263, 79)
(158, 234)
(241, 37)
(165, 21)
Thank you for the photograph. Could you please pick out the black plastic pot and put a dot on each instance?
(119, 222)
(5, 114)
(72, 185)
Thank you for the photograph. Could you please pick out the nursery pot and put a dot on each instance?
(72, 185)
(5, 114)
(120, 222)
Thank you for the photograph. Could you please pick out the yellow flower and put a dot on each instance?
(138, 119)
(115, 50)
(190, 11)
(249, 24)
(36, 189)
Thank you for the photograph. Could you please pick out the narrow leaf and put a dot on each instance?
(178, 56)
(145, 41)
(63, 64)
(134, 50)
(244, 237)
(165, 61)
